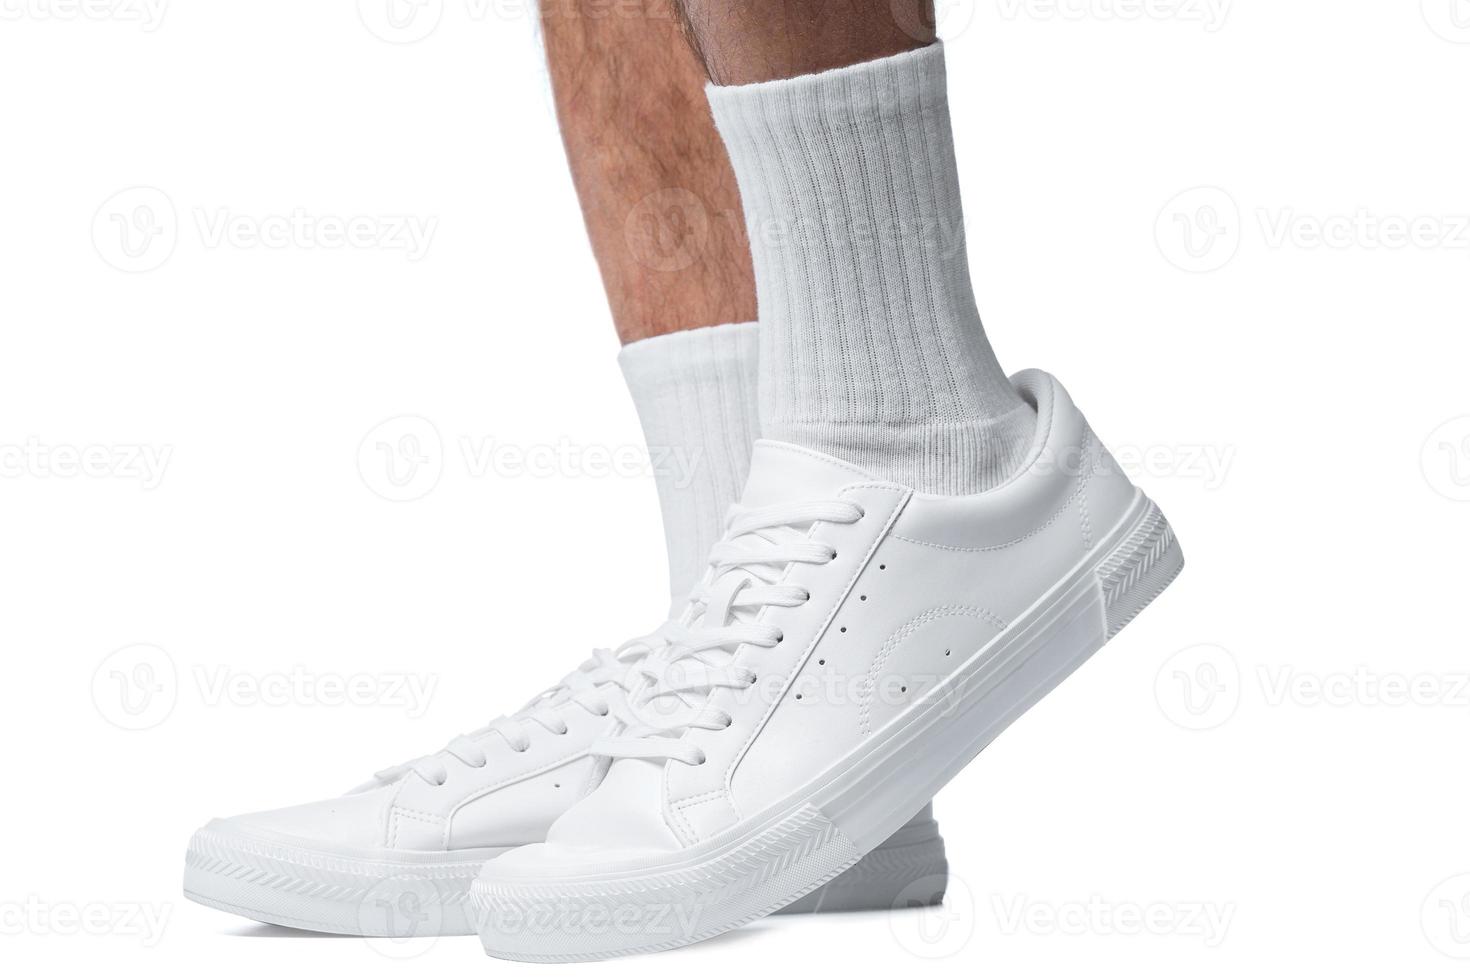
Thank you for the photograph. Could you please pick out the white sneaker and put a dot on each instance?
(396, 856)
(854, 645)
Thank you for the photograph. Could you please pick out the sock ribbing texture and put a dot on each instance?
(695, 392)
(871, 347)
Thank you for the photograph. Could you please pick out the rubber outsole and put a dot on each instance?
(908, 869)
(308, 888)
(319, 891)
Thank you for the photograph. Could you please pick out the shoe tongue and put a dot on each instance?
(781, 473)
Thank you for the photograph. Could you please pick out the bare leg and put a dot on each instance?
(760, 40)
(657, 191)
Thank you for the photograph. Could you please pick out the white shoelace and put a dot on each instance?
(698, 652)
(588, 687)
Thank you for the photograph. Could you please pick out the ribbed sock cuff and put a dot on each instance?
(695, 392)
(870, 337)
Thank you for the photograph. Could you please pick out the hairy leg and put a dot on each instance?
(659, 197)
(760, 40)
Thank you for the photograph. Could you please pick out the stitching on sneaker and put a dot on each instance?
(903, 633)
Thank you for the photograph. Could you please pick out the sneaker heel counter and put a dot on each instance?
(1106, 493)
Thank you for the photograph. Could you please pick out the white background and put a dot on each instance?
(1267, 768)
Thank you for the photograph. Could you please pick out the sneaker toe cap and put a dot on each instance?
(357, 821)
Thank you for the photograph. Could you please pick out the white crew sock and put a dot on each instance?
(871, 344)
(695, 395)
